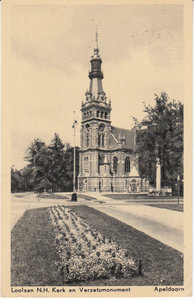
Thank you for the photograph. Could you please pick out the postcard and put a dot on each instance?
(96, 148)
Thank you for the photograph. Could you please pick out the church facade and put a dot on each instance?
(108, 158)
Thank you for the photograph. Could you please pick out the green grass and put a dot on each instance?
(176, 207)
(162, 265)
(136, 196)
(34, 254)
(86, 197)
(51, 196)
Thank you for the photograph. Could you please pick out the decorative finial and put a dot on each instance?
(96, 36)
(96, 50)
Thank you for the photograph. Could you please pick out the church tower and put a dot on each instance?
(107, 153)
(96, 122)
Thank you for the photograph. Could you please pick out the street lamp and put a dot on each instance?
(74, 153)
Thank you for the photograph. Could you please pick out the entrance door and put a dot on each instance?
(133, 186)
(100, 186)
(85, 185)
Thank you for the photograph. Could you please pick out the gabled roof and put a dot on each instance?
(122, 138)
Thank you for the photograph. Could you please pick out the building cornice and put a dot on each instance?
(106, 150)
(95, 119)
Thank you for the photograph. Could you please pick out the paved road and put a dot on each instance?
(20, 202)
(162, 224)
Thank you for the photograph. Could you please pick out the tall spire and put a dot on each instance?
(96, 49)
(96, 92)
(96, 36)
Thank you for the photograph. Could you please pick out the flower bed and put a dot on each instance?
(84, 253)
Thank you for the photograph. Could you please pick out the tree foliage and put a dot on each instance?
(49, 167)
(160, 135)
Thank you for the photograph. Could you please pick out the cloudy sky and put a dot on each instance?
(142, 51)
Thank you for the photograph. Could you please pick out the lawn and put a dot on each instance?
(86, 197)
(51, 196)
(136, 196)
(176, 207)
(34, 253)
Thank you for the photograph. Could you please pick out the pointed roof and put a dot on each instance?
(124, 137)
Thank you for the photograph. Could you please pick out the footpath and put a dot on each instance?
(164, 225)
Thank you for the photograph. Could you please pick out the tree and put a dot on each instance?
(57, 163)
(27, 178)
(37, 156)
(49, 167)
(160, 135)
(69, 161)
(17, 183)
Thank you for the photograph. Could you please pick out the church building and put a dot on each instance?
(108, 158)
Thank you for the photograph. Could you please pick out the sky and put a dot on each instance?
(141, 47)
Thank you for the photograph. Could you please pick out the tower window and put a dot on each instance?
(87, 114)
(87, 140)
(86, 164)
(105, 115)
(102, 114)
(87, 127)
(90, 113)
(98, 114)
(127, 165)
(102, 137)
(87, 135)
(99, 139)
(115, 164)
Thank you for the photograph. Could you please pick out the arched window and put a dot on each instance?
(102, 139)
(98, 114)
(115, 163)
(87, 135)
(99, 140)
(87, 114)
(90, 113)
(87, 140)
(88, 127)
(105, 115)
(86, 164)
(102, 114)
(101, 135)
(127, 165)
